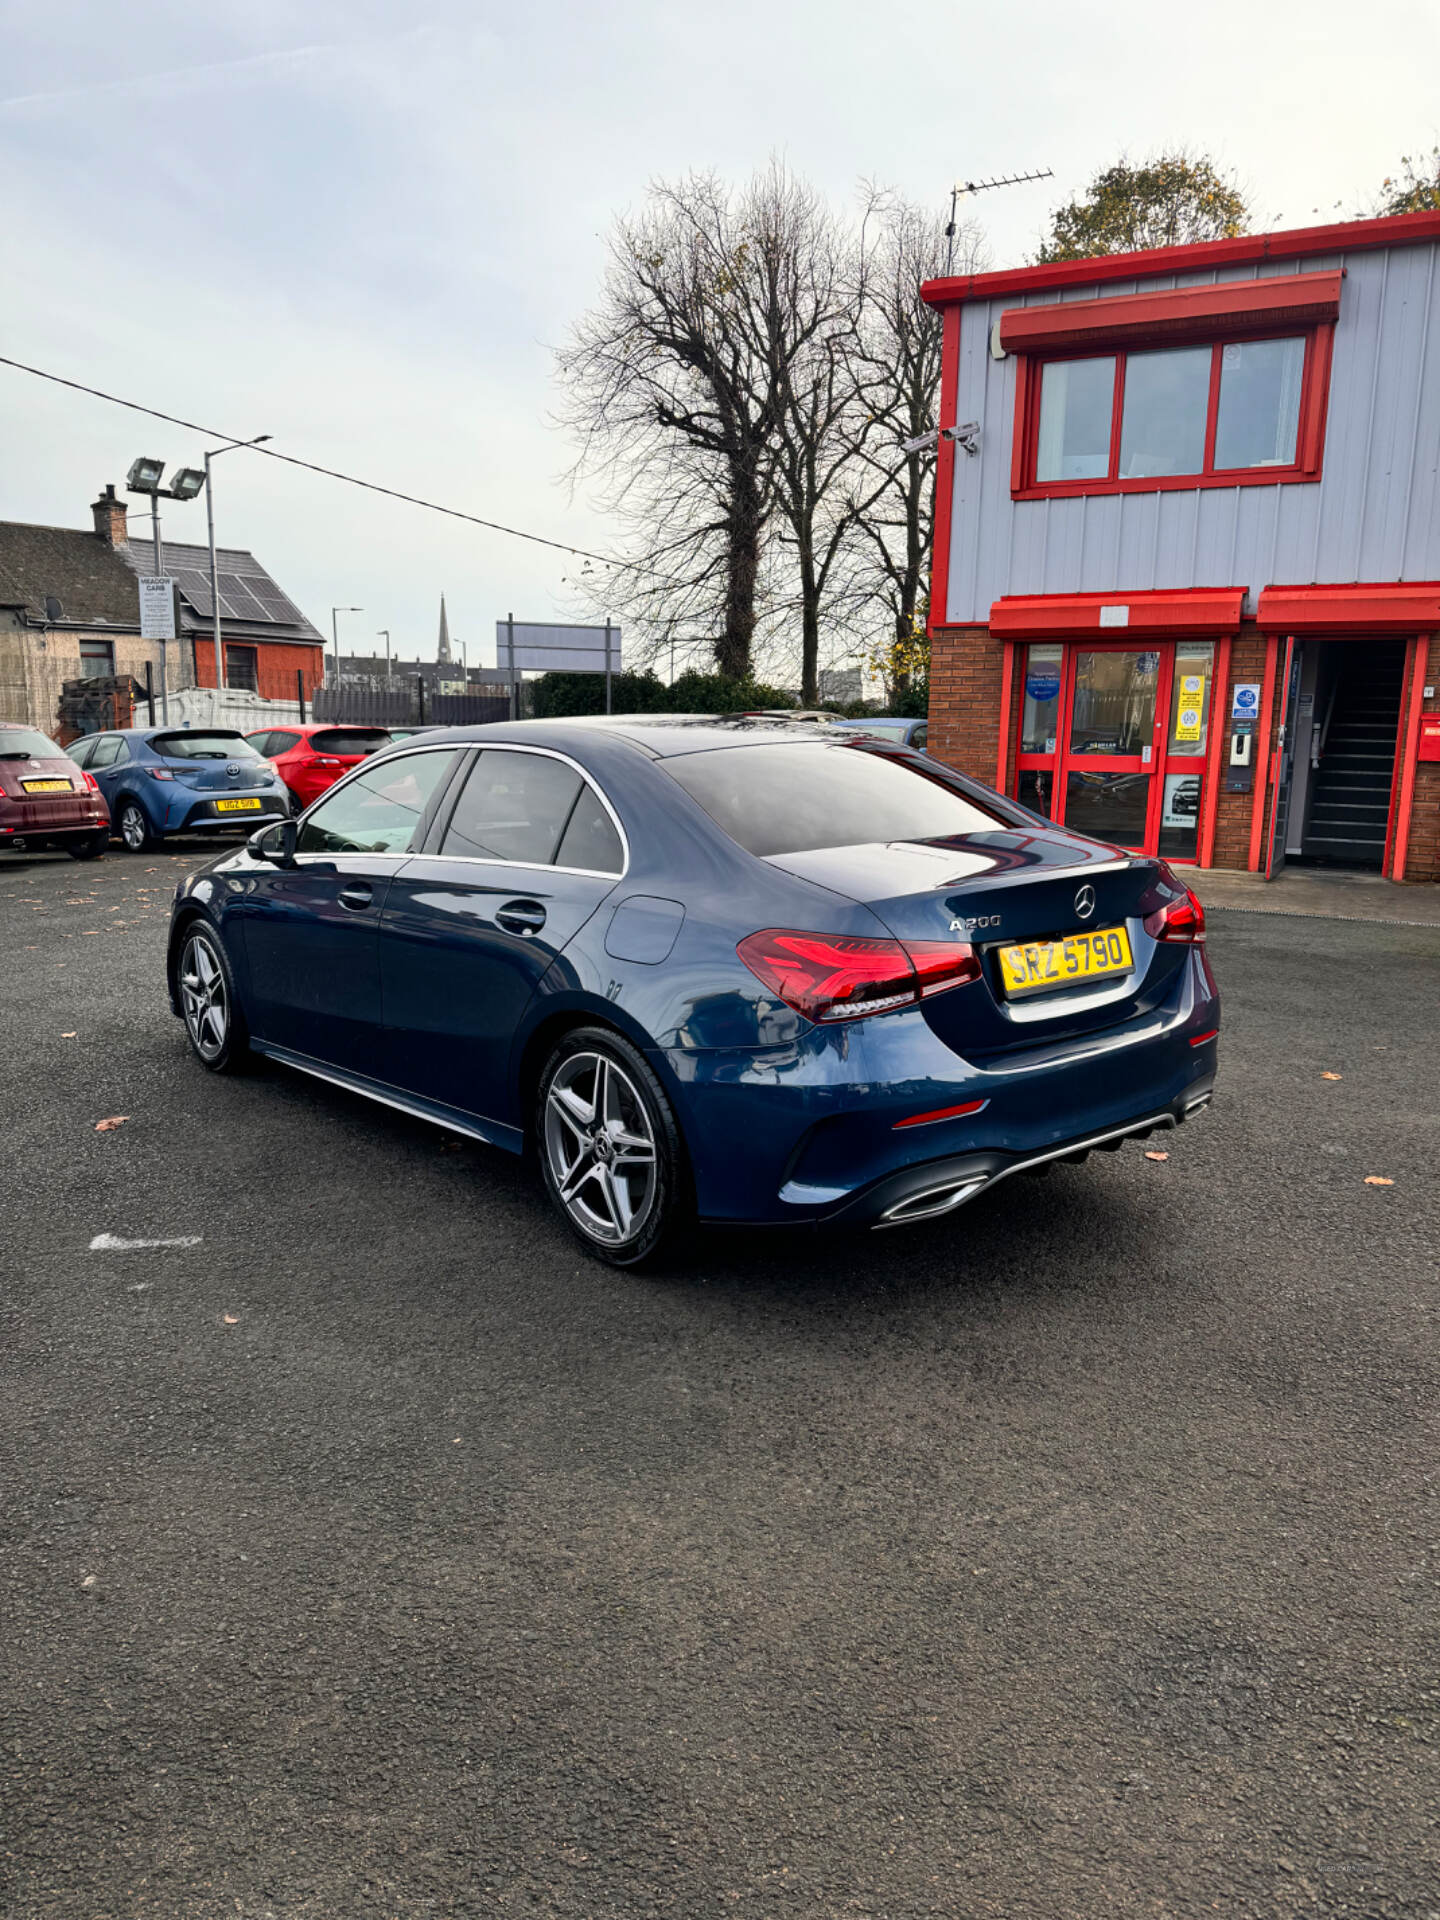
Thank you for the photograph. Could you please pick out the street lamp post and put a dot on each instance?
(213, 454)
(383, 633)
(335, 636)
(144, 478)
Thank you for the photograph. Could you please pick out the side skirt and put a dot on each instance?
(493, 1132)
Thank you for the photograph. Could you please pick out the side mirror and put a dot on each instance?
(275, 844)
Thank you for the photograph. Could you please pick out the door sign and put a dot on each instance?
(1245, 700)
(1189, 706)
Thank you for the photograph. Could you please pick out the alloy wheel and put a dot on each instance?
(133, 829)
(203, 996)
(600, 1145)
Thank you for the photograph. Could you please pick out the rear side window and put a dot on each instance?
(515, 806)
(80, 751)
(107, 751)
(377, 811)
(798, 798)
(590, 839)
(203, 746)
(260, 742)
(281, 743)
(349, 741)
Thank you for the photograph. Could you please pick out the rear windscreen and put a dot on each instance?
(20, 743)
(345, 740)
(799, 798)
(202, 746)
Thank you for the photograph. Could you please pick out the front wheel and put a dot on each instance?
(214, 1023)
(135, 830)
(610, 1151)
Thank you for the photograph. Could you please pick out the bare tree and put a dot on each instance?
(671, 390)
(895, 373)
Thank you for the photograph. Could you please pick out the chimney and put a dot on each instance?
(109, 515)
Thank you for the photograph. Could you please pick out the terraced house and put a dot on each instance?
(1186, 589)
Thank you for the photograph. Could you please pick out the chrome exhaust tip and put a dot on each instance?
(1198, 1104)
(934, 1201)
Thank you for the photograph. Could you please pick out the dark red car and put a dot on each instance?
(310, 758)
(45, 799)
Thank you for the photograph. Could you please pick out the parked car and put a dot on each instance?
(312, 757)
(44, 800)
(759, 975)
(163, 780)
(914, 734)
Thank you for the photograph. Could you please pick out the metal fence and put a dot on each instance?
(409, 704)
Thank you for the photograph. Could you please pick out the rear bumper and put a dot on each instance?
(202, 818)
(940, 1186)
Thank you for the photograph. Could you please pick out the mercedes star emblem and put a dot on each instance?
(1085, 902)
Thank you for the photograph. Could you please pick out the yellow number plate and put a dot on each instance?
(1047, 964)
(237, 806)
(46, 786)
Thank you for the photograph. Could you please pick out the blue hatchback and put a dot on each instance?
(733, 969)
(163, 780)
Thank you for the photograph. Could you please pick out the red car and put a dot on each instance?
(45, 799)
(310, 758)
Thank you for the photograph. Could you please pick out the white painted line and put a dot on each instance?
(108, 1243)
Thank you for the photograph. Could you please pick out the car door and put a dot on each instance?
(109, 762)
(310, 931)
(522, 857)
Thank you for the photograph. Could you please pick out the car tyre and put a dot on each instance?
(93, 847)
(205, 987)
(609, 1148)
(136, 833)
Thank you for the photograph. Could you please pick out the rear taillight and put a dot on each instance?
(160, 773)
(91, 781)
(1181, 920)
(828, 976)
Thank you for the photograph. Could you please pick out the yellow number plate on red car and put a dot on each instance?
(1041, 965)
(237, 806)
(46, 786)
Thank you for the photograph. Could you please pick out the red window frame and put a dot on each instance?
(1309, 435)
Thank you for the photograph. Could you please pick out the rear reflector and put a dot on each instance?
(941, 1113)
(1182, 921)
(836, 976)
(1199, 1039)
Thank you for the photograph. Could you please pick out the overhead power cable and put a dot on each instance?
(329, 473)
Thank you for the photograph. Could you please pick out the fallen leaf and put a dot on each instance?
(88, 1581)
(1152, 1155)
(109, 1126)
(231, 1319)
(69, 1036)
(1377, 1180)
(1330, 1076)
(86, 932)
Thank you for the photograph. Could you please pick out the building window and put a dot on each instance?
(241, 670)
(97, 659)
(1226, 413)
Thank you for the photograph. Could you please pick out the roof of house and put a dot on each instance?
(1247, 249)
(88, 582)
(66, 574)
(250, 600)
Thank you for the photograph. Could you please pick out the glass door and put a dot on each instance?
(1115, 699)
(1184, 791)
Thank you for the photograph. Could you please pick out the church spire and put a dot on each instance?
(443, 654)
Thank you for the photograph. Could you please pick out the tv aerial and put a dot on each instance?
(963, 188)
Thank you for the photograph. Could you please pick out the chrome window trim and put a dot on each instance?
(476, 859)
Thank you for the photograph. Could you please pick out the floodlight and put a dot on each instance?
(187, 483)
(144, 476)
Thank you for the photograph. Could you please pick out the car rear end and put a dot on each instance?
(205, 780)
(1018, 995)
(46, 801)
(327, 755)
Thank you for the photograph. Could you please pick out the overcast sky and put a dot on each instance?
(362, 227)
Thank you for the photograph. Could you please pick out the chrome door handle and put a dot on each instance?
(357, 896)
(520, 916)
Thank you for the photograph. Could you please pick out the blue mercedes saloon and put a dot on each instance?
(733, 970)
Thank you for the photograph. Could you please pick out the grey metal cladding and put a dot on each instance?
(1373, 515)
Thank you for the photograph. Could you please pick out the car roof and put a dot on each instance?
(660, 736)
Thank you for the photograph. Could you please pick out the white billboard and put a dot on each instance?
(157, 607)
(539, 648)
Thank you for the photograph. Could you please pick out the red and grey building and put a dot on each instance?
(1186, 584)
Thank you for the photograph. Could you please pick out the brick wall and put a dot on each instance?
(1233, 822)
(1422, 859)
(965, 673)
(276, 665)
